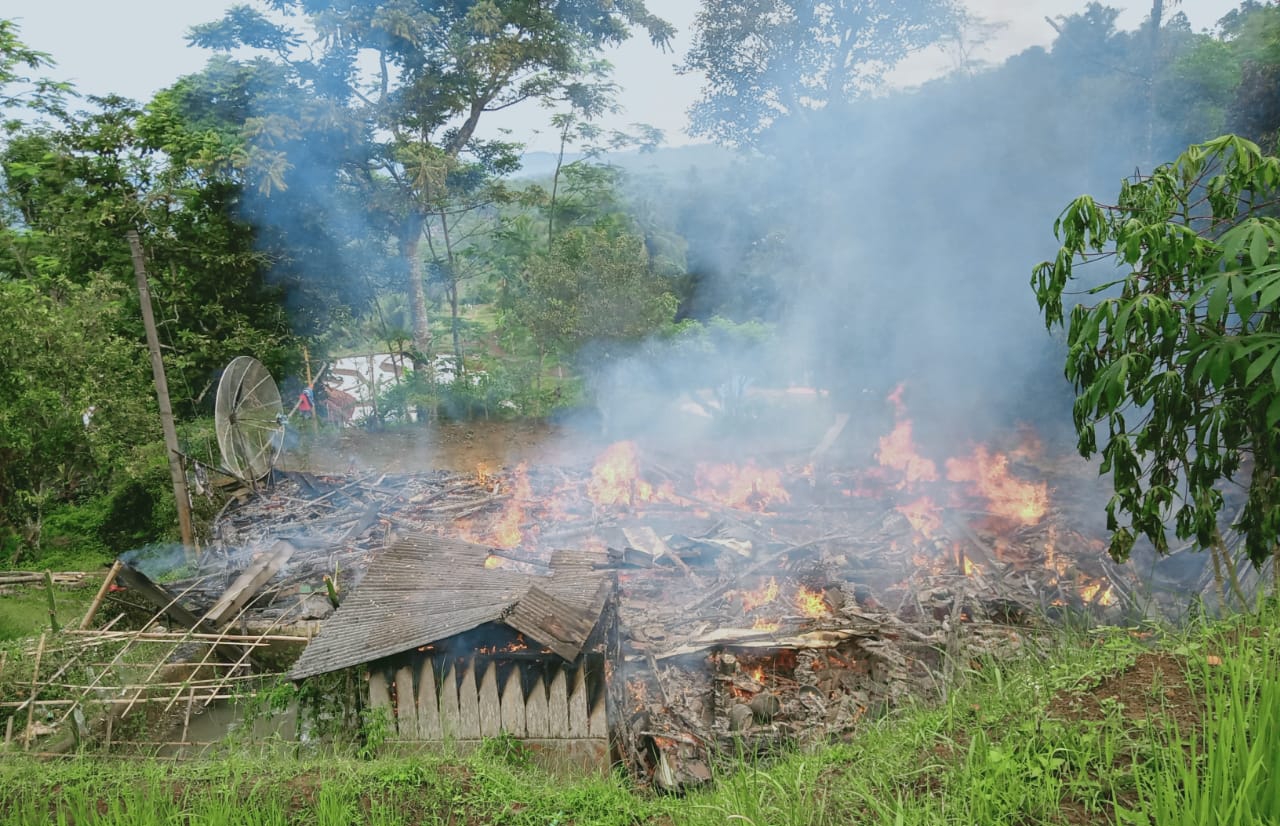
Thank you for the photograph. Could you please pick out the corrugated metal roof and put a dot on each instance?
(426, 588)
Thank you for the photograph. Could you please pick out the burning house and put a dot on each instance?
(704, 608)
(658, 611)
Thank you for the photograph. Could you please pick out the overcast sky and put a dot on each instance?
(136, 47)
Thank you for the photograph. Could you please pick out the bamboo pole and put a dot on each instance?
(53, 608)
(177, 473)
(35, 690)
(102, 594)
(213, 647)
(186, 720)
(182, 684)
(161, 636)
(249, 650)
(129, 644)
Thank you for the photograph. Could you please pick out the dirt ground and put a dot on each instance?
(781, 434)
(458, 446)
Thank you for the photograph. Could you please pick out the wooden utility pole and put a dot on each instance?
(176, 471)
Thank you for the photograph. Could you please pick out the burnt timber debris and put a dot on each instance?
(683, 618)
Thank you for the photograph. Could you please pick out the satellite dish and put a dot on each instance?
(247, 416)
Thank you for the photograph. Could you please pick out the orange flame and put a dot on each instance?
(506, 529)
(615, 479)
(492, 562)
(745, 487)
(811, 603)
(768, 626)
(1095, 593)
(766, 594)
(924, 516)
(1007, 497)
(970, 567)
(897, 451)
(1051, 557)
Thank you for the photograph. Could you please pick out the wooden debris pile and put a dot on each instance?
(755, 604)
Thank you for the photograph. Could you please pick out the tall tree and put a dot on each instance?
(439, 67)
(777, 60)
(77, 186)
(1178, 366)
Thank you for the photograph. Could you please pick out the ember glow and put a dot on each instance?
(811, 603)
(745, 487)
(764, 595)
(1095, 593)
(768, 626)
(1007, 497)
(925, 516)
(1052, 559)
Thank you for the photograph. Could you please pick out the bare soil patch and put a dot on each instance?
(456, 446)
(1154, 686)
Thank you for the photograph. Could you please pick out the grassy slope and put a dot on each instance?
(1112, 726)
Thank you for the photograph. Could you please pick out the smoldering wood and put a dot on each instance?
(246, 586)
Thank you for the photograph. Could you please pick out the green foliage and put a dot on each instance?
(376, 728)
(72, 328)
(1177, 368)
(768, 61)
(1226, 771)
(64, 353)
(18, 89)
(402, 142)
(593, 287)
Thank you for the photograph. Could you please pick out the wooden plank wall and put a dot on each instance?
(429, 702)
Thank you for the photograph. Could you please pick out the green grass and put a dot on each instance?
(1203, 749)
(25, 613)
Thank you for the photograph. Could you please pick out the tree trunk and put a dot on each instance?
(453, 294)
(457, 336)
(410, 242)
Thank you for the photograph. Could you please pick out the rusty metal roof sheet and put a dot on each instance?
(424, 589)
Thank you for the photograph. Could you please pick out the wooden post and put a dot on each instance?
(102, 593)
(176, 471)
(53, 609)
(315, 414)
(35, 691)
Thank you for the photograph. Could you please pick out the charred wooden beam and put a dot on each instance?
(167, 604)
(246, 586)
